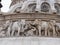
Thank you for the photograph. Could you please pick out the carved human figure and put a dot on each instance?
(35, 23)
(4, 29)
(23, 24)
(29, 29)
(9, 29)
(7, 23)
(52, 24)
(30, 32)
(57, 27)
(2, 32)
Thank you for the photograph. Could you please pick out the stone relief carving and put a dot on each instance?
(14, 2)
(33, 5)
(51, 3)
(15, 8)
(26, 8)
(45, 7)
(35, 28)
(57, 6)
(16, 27)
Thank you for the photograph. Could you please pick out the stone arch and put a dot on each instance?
(45, 7)
(57, 7)
(15, 7)
(32, 7)
(17, 10)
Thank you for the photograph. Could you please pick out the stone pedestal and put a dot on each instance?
(29, 41)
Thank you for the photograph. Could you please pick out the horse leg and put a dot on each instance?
(12, 34)
(49, 32)
(45, 31)
(54, 34)
(56, 31)
(36, 32)
(39, 31)
(18, 32)
(8, 32)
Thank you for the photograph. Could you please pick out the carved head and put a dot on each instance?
(8, 22)
(45, 7)
(23, 21)
(36, 21)
(53, 22)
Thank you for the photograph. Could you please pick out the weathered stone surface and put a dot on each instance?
(30, 10)
(29, 41)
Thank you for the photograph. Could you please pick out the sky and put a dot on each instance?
(6, 4)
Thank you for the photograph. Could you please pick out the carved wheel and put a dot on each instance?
(45, 7)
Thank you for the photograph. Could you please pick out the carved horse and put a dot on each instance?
(41, 25)
(19, 26)
(46, 26)
(16, 27)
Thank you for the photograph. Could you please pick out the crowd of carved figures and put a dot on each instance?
(36, 27)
